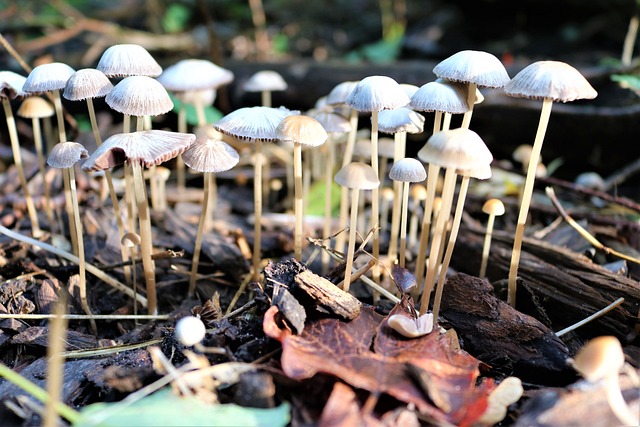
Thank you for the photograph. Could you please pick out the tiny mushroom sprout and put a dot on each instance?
(476, 69)
(405, 171)
(210, 156)
(374, 94)
(549, 81)
(258, 125)
(300, 130)
(265, 82)
(141, 149)
(355, 176)
(493, 208)
(190, 330)
(600, 360)
(64, 155)
(11, 85)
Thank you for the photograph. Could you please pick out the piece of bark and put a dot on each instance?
(39, 336)
(500, 336)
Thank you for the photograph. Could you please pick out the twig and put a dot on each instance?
(85, 316)
(621, 175)
(592, 317)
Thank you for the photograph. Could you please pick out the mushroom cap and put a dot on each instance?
(408, 170)
(331, 122)
(48, 77)
(456, 148)
(194, 74)
(192, 97)
(66, 154)
(210, 155)
(440, 95)
(481, 172)
(149, 148)
(402, 119)
(377, 93)
(253, 123)
(130, 239)
(11, 85)
(409, 89)
(340, 93)
(87, 83)
(190, 330)
(409, 327)
(550, 79)
(591, 180)
(522, 154)
(473, 66)
(418, 191)
(599, 358)
(493, 207)
(139, 96)
(302, 130)
(122, 60)
(387, 194)
(34, 107)
(357, 176)
(265, 80)
(386, 148)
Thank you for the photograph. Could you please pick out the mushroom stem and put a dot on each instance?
(146, 242)
(352, 239)
(328, 184)
(527, 192)
(298, 206)
(432, 180)
(126, 123)
(403, 223)
(17, 159)
(400, 139)
(487, 245)
(344, 192)
(202, 226)
(375, 210)
(471, 100)
(82, 285)
(180, 167)
(617, 403)
(57, 103)
(37, 142)
(70, 217)
(257, 202)
(455, 227)
(265, 96)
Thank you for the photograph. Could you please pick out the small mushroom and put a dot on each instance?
(493, 208)
(265, 82)
(123, 60)
(190, 330)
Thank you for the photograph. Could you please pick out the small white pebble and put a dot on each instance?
(190, 330)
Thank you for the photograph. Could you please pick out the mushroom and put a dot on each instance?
(405, 171)
(374, 94)
(355, 176)
(300, 130)
(257, 125)
(65, 155)
(207, 155)
(265, 82)
(190, 330)
(550, 81)
(141, 149)
(493, 208)
(601, 359)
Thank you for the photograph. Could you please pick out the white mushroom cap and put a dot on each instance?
(480, 172)
(253, 123)
(47, 77)
(409, 89)
(331, 122)
(377, 93)
(599, 358)
(130, 239)
(66, 154)
(124, 60)
(472, 66)
(408, 170)
(192, 97)
(409, 327)
(386, 148)
(440, 95)
(11, 84)
(194, 74)
(139, 96)
(402, 119)
(190, 331)
(34, 107)
(302, 130)
(357, 176)
(340, 93)
(493, 207)
(151, 147)
(87, 83)
(418, 191)
(265, 80)
(456, 148)
(210, 155)
(550, 79)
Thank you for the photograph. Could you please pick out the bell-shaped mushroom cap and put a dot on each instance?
(493, 207)
(210, 155)
(11, 84)
(122, 60)
(358, 176)
(87, 83)
(47, 77)
(253, 123)
(139, 96)
(192, 97)
(377, 93)
(408, 170)
(550, 79)
(331, 122)
(340, 93)
(440, 95)
(66, 154)
(473, 66)
(386, 148)
(456, 148)
(480, 172)
(599, 358)
(402, 119)
(409, 89)
(149, 148)
(194, 74)
(418, 191)
(265, 80)
(302, 130)
(34, 107)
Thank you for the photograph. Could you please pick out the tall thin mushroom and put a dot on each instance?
(493, 208)
(549, 81)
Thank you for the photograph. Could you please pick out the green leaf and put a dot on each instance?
(166, 409)
(627, 81)
(176, 18)
(212, 114)
(316, 196)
